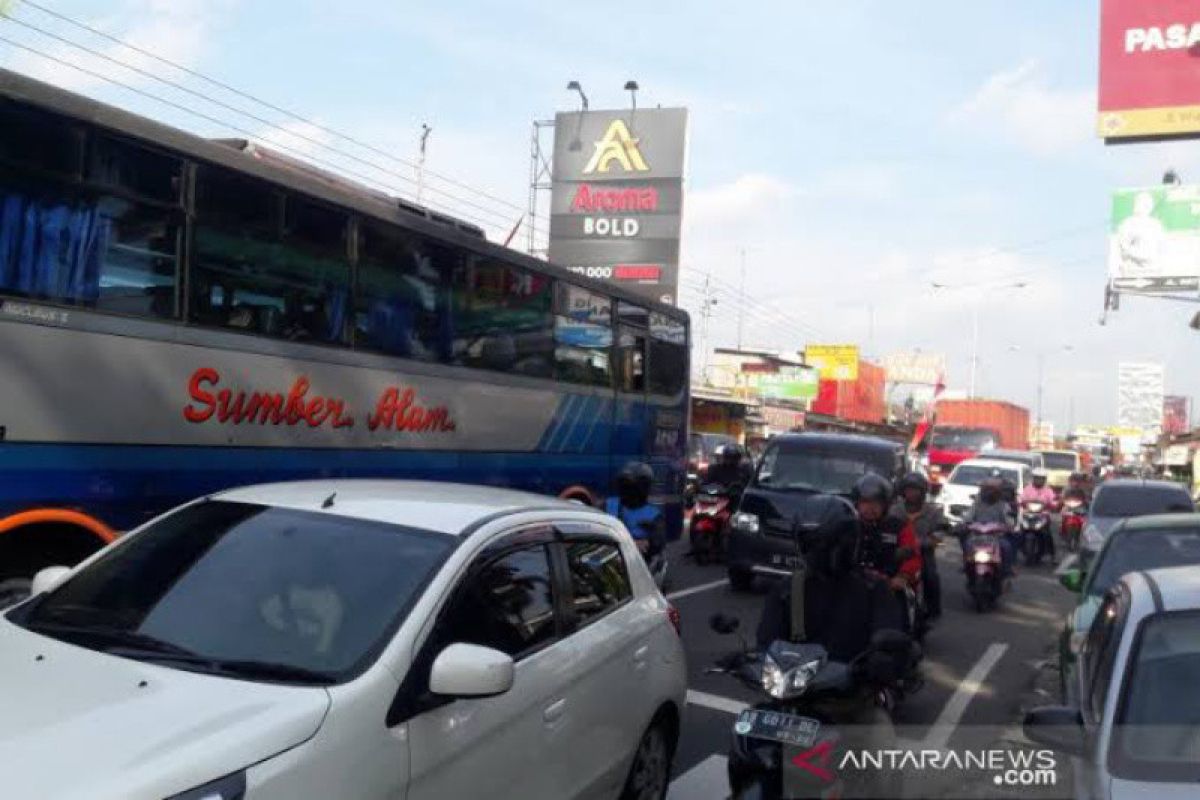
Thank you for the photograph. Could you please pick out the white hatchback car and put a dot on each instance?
(347, 639)
(958, 492)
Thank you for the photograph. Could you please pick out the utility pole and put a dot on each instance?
(425, 131)
(707, 301)
(742, 300)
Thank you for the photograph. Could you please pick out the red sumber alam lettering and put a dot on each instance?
(399, 410)
(262, 408)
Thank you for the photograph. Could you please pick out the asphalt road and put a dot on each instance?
(977, 667)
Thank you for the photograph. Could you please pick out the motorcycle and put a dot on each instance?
(986, 580)
(1035, 531)
(691, 488)
(801, 683)
(1074, 515)
(710, 521)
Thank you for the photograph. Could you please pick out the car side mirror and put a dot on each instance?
(723, 623)
(48, 578)
(1057, 727)
(468, 670)
(1071, 580)
(888, 640)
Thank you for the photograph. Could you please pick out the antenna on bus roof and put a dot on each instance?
(329, 501)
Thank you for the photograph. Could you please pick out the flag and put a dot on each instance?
(927, 419)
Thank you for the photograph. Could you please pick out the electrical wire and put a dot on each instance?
(495, 215)
(245, 95)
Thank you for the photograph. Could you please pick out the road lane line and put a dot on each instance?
(704, 587)
(708, 780)
(943, 727)
(715, 702)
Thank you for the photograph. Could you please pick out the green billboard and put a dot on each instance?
(789, 383)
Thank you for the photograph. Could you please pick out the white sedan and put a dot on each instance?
(1135, 730)
(347, 639)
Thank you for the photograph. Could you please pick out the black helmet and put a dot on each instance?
(990, 490)
(829, 548)
(872, 487)
(634, 482)
(730, 454)
(913, 480)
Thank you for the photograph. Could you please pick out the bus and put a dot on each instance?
(181, 315)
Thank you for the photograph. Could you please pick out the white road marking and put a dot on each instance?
(708, 780)
(715, 702)
(704, 587)
(943, 727)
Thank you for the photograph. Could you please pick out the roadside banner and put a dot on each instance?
(914, 366)
(836, 362)
(1154, 239)
(789, 383)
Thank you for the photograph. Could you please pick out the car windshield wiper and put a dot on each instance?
(109, 639)
(271, 670)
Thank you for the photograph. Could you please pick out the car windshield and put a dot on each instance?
(1137, 500)
(1066, 462)
(1155, 736)
(829, 470)
(962, 439)
(246, 590)
(1133, 551)
(973, 474)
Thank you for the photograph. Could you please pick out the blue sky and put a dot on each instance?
(856, 150)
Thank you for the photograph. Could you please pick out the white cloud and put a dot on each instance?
(173, 29)
(1020, 104)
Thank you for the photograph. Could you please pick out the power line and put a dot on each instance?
(245, 95)
(758, 303)
(201, 115)
(503, 219)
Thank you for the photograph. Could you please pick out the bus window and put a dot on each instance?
(401, 294)
(250, 275)
(503, 320)
(144, 173)
(668, 367)
(35, 140)
(628, 314)
(631, 361)
(581, 353)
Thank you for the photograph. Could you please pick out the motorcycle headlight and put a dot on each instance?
(1092, 537)
(1036, 508)
(982, 557)
(782, 685)
(772, 678)
(231, 787)
(744, 522)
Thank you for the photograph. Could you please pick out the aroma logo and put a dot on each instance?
(619, 145)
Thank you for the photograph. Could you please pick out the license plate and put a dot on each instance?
(777, 726)
(781, 560)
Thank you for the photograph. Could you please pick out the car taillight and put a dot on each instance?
(704, 525)
(675, 619)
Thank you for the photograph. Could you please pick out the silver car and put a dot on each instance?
(1135, 730)
(1122, 498)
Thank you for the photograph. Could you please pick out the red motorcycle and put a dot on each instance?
(1074, 515)
(710, 521)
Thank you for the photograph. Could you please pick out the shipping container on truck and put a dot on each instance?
(1009, 420)
(860, 400)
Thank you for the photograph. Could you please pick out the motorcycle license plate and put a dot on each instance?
(785, 561)
(777, 726)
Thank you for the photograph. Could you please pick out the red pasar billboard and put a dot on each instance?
(1149, 68)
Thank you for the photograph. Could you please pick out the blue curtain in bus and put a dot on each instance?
(51, 250)
(339, 307)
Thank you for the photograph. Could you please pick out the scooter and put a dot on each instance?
(1035, 531)
(796, 678)
(1074, 515)
(710, 521)
(986, 580)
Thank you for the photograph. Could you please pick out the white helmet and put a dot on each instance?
(1038, 472)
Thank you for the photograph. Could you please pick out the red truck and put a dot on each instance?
(966, 428)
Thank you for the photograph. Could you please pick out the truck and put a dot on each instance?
(966, 428)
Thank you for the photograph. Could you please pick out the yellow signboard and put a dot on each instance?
(835, 362)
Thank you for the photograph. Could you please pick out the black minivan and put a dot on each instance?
(803, 479)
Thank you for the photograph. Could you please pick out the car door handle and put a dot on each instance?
(554, 711)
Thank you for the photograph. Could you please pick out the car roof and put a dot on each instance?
(1179, 587)
(995, 463)
(850, 439)
(1144, 483)
(1154, 522)
(445, 507)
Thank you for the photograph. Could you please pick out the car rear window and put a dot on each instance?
(1061, 461)
(1138, 550)
(824, 468)
(1137, 501)
(973, 474)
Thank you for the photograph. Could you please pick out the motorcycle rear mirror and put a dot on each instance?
(1071, 580)
(723, 623)
(890, 641)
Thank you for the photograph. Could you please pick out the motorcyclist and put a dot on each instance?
(990, 508)
(928, 523)
(887, 544)
(1077, 487)
(632, 506)
(1038, 492)
(731, 469)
